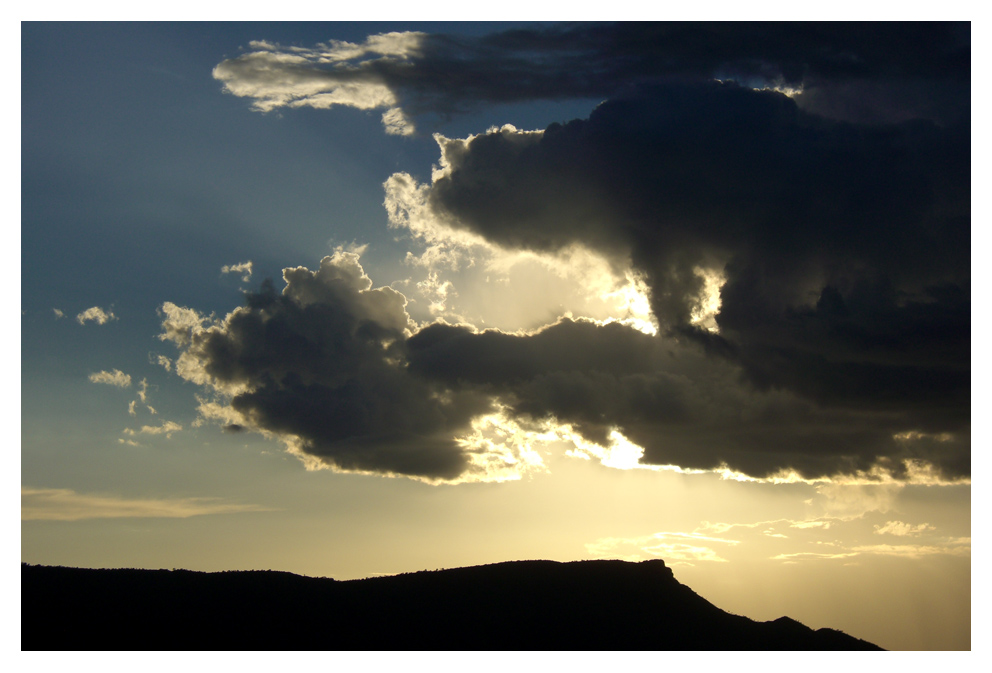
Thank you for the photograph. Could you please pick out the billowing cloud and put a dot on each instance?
(113, 378)
(334, 368)
(842, 253)
(97, 315)
(62, 504)
(242, 268)
(322, 366)
(807, 279)
(885, 72)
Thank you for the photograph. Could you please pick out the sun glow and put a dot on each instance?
(632, 303)
(708, 303)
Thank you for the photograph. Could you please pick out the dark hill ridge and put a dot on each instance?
(519, 605)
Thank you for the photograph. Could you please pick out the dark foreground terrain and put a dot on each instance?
(522, 605)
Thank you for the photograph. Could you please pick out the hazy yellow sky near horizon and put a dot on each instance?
(840, 557)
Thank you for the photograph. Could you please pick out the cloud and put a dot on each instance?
(143, 390)
(902, 529)
(114, 378)
(243, 268)
(893, 72)
(143, 396)
(821, 538)
(167, 428)
(161, 361)
(336, 370)
(58, 313)
(905, 551)
(336, 73)
(675, 548)
(842, 253)
(97, 315)
(61, 504)
(321, 366)
(807, 279)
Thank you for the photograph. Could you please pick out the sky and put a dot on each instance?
(354, 299)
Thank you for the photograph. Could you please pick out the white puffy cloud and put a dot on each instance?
(113, 378)
(97, 315)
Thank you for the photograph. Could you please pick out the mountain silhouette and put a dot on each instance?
(518, 605)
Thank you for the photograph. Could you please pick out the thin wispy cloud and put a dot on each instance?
(167, 428)
(242, 268)
(62, 504)
(902, 529)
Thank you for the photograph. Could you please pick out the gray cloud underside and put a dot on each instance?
(668, 397)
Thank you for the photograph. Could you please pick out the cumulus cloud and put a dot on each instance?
(841, 253)
(58, 313)
(804, 258)
(62, 504)
(321, 365)
(97, 315)
(242, 268)
(338, 372)
(113, 378)
(893, 72)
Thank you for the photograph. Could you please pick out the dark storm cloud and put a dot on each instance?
(591, 60)
(682, 407)
(845, 248)
(321, 362)
(838, 222)
(330, 366)
(867, 72)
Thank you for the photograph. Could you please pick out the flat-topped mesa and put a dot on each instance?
(516, 605)
(656, 565)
